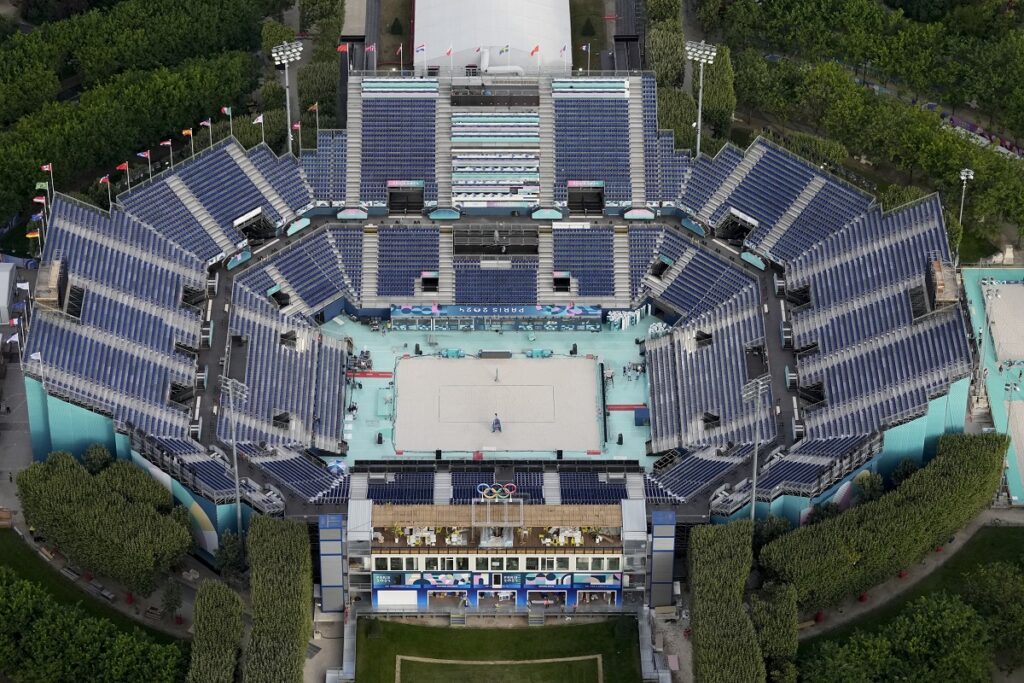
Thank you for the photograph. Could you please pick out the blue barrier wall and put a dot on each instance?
(57, 425)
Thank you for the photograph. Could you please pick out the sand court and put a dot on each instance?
(544, 404)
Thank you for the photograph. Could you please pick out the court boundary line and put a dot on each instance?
(490, 662)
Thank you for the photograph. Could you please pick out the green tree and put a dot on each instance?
(396, 28)
(666, 54)
(229, 558)
(677, 112)
(767, 530)
(663, 10)
(709, 13)
(903, 470)
(996, 592)
(170, 602)
(896, 195)
(819, 513)
(272, 95)
(587, 30)
(218, 634)
(719, 93)
(273, 34)
(97, 458)
(869, 486)
(774, 615)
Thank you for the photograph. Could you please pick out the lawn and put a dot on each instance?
(380, 642)
(989, 544)
(579, 12)
(20, 557)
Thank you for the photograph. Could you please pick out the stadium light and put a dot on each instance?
(283, 55)
(753, 391)
(236, 391)
(702, 53)
(966, 174)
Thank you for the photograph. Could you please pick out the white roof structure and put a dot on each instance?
(478, 31)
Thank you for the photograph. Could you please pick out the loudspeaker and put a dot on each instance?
(558, 455)
(573, 351)
(418, 351)
(437, 454)
(620, 439)
(380, 438)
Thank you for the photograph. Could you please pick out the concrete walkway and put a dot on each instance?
(851, 610)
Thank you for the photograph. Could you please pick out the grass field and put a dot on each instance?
(989, 544)
(586, 653)
(17, 555)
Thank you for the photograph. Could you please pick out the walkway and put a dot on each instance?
(851, 610)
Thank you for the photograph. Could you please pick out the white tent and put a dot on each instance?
(478, 31)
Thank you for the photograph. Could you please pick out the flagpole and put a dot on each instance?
(53, 185)
(588, 59)
(128, 175)
(110, 200)
(170, 148)
(231, 124)
(192, 144)
(317, 112)
(401, 59)
(211, 133)
(263, 134)
(149, 161)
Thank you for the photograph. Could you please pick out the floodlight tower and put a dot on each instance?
(702, 53)
(283, 55)
(236, 391)
(753, 391)
(966, 175)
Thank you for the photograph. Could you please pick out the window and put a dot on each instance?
(598, 564)
(462, 564)
(583, 564)
(613, 564)
(512, 564)
(431, 564)
(547, 564)
(562, 563)
(448, 563)
(396, 564)
(531, 564)
(410, 564)
(481, 564)
(497, 562)
(380, 564)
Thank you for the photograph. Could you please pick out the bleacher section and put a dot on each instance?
(529, 486)
(303, 474)
(590, 488)
(325, 167)
(592, 137)
(286, 176)
(643, 243)
(691, 475)
(399, 142)
(464, 485)
(708, 175)
(404, 254)
(510, 281)
(402, 488)
(588, 254)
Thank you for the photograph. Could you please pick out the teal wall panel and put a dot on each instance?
(57, 425)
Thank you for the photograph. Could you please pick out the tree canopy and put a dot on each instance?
(218, 634)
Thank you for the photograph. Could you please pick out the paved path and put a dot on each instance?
(852, 610)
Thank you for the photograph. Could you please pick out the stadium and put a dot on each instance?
(497, 339)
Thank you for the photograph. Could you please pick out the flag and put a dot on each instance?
(226, 111)
(187, 132)
(144, 155)
(105, 180)
(46, 168)
(37, 217)
(343, 47)
(36, 356)
(586, 47)
(503, 50)
(165, 143)
(258, 119)
(478, 50)
(22, 285)
(205, 123)
(448, 52)
(422, 47)
(562, 51)
(32, 234)
(14, 338)
(42, 186)
(122, 167)
(535, 50)
(372, 47)
(15, 321)
(399, 50)
(296, 126)
(314, 107)
(39, 200)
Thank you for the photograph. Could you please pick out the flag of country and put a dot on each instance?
(105, 180)
(43, 186)
(422, 47)
(258, 119)
(226, 111)
(144, 155)
(46, 168)
(372, 47)
(586, 47)
(187, 132)
(205, 124)
(32, 234)
(122, 167)
(165, 143)
(343, 47)
(535, 50)
(503, 50)
(37, 216)
(448, 52)
(314, 107)
(39, 200)
(296, 126)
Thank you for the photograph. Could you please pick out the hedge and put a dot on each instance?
(41, 640)
(281, 583)
(218, 634)
(870, 543)
(773, 612)
(98, 528)
(724, 643)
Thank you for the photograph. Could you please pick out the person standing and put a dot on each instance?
(495, 424)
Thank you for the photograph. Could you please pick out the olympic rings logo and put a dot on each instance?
(497, 491)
